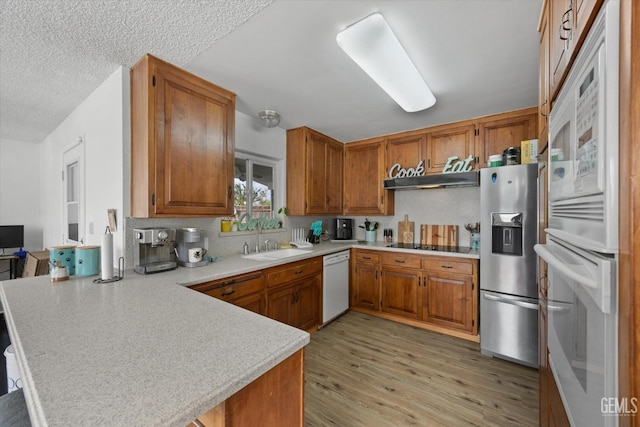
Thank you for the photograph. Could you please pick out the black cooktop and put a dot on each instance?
(456, 249)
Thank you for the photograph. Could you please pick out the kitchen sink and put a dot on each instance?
(279, 254)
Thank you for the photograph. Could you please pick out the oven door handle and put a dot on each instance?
(522, 304)
(562, 268)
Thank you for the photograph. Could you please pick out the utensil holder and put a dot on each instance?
(370, 235)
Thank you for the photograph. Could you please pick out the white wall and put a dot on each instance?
(102, 120)
(20, 193)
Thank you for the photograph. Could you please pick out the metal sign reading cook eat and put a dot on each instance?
(452, 166)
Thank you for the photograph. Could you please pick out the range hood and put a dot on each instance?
(459, 179)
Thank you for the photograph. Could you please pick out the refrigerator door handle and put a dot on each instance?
(522, 304)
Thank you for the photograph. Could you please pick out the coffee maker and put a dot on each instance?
(190, 239)
(344, 228)
(153, 250)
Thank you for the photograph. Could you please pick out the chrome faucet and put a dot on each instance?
(259, 228)
(267, 245)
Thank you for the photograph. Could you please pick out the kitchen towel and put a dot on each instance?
(106, 255)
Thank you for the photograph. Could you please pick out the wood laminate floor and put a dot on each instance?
(361, 370)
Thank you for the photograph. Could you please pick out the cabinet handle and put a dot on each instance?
(400, 261)
(544, 282)
(563, 26)
(446, 266)
(428, 163)
(246, 278)
(226, 294)
(299, 272)
(229, 193)
(542, 109)
(366, 257)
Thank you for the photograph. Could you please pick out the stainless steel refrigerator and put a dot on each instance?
(508, 285)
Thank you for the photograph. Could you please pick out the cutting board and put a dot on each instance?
(439, 235)
(405, 230)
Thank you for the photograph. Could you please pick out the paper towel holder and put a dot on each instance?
(120, 275)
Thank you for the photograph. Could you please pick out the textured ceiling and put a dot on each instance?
(54, 53)
(478, 56)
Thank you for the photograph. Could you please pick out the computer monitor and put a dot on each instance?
(11, 236)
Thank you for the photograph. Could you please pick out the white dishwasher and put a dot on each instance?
(335, 285)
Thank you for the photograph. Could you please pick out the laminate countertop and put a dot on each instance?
(141, 351)
(144, 350)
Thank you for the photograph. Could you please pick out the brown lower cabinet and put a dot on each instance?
(244, 290)
(289, 293)
(274, 399)
(296, 304)
(434, 292)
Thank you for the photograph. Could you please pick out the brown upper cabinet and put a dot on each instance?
(364, 171)
(356, 170)
(496, 133)
(314, 173)
(433, 148)
(543, 83)
(569, 23)
(182, 143)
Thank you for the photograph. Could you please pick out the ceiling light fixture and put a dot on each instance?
(373, 46)
(269, 118)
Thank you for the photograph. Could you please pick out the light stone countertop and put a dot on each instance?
(235, 264)
(143, 350)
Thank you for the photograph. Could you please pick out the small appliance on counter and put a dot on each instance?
(153, 250)
(344, 229)
(190, 248)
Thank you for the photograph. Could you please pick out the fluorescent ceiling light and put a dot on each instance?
(373, 46)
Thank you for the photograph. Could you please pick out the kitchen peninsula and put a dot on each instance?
(142, 351)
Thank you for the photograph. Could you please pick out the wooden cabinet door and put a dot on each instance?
(191, 158)
(314, 173)
(543, 366)
(253, 303)
(449, 301)
(585, 12)
(543, 79)
(316, 176)
(366, 287)
(406, 150)
(560, 33)
(497, 134)
(307, 304)
(280, 305)
(334, 172)
(443, 143)
(363, 175)
(400, 291)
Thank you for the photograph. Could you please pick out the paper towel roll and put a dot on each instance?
(106, 257)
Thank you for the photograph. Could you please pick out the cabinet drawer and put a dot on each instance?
(293, 271)
(233, 287)
(449, 265)
(401, 260)
(367, 257)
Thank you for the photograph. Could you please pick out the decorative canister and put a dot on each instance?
(495, 160)
(64, 256)
(87, 260)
